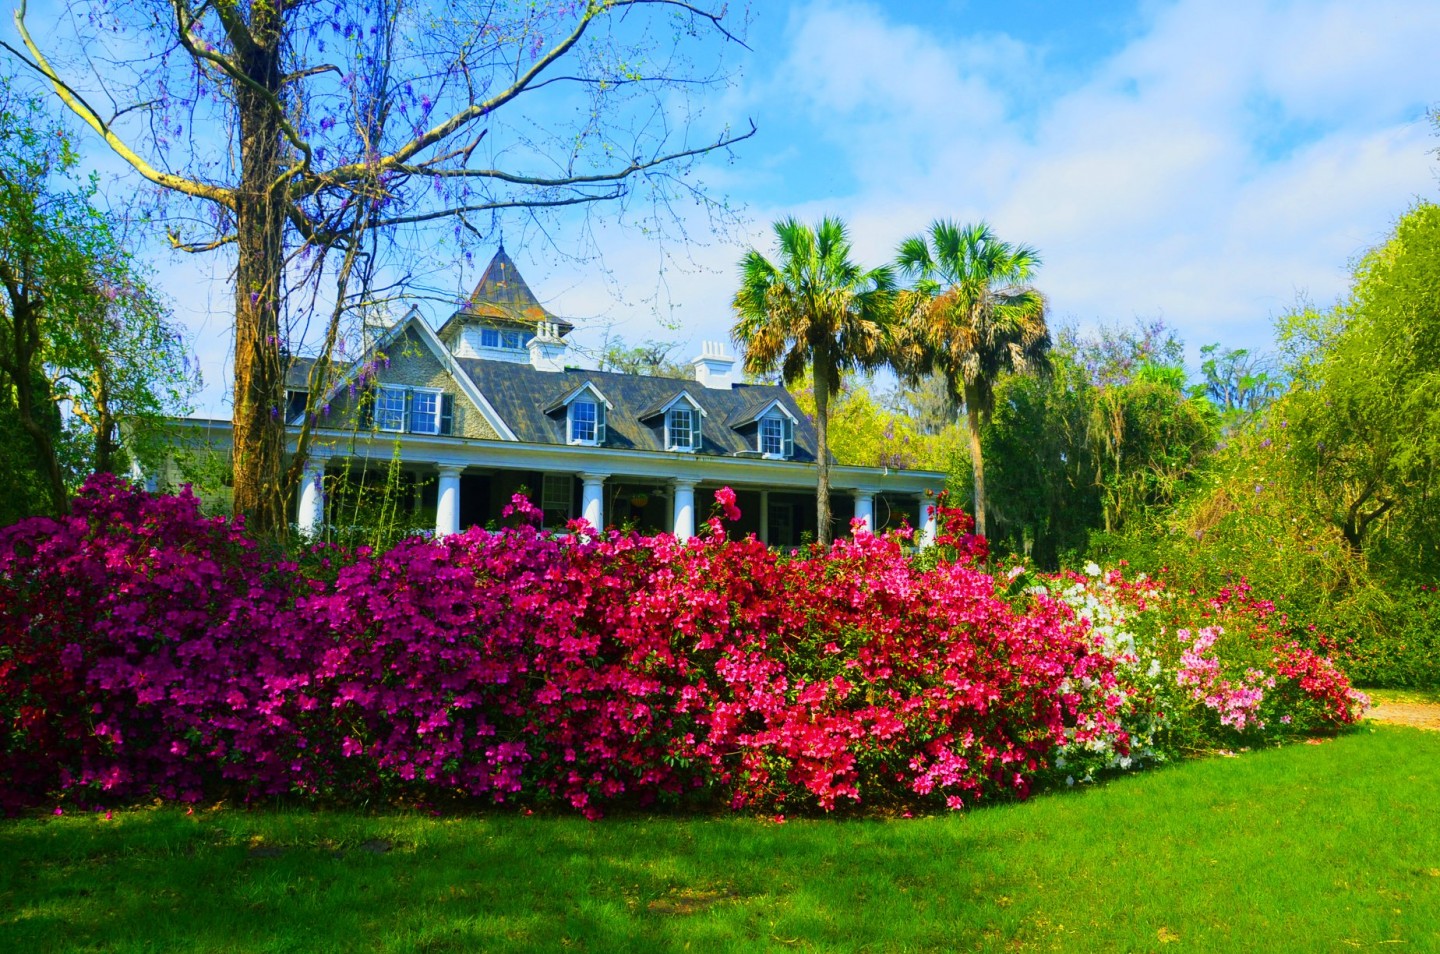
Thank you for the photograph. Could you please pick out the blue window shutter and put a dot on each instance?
(599, 422)
(788, 441)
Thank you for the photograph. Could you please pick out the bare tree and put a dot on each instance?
(307, 127)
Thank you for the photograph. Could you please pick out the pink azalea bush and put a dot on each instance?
(1193, 672)
(146, 651)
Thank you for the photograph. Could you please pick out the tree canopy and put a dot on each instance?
(971, 317)
(81, 331)
(813, 310)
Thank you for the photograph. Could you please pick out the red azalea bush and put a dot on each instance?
(146, 650)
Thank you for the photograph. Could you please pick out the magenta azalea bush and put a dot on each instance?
(147, 651)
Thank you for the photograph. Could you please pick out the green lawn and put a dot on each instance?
(1328, 847)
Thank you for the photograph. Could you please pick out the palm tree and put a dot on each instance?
(816, 308)
(971, 317)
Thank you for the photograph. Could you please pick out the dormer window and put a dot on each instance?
(509, 340)
(777, 437)
(774, 430)
(682, 428)
(587, 421)
(585, 412)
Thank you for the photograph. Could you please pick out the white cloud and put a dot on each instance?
(1229, 157)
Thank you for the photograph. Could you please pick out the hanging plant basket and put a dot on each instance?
(639, 500)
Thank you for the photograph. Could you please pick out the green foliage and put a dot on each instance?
(1240, 383)
(1146, 439)
(1365, 420)
(1044, 500)
(87, 351)
(866, 433)
(649, 357)
(971, 317)
(1107, 437)
(1250, 518)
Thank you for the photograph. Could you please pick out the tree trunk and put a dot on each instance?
(259, 425)
(822, 446)
(27, 379)
(977, 461)
(104, 424)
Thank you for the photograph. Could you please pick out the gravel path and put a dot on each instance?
(1421, 715)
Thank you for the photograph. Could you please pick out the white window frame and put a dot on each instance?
(382, 412)
(439, 396)
(692, 431)
(504, 339)
(597, 422)
(784, 437)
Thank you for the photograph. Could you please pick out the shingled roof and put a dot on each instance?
(503, 295)
(520, 394)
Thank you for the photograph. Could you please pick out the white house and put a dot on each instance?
(488, 405)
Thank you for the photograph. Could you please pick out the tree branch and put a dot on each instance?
(79, 107)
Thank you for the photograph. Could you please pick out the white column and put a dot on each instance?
(865, 508)
(925, 529)
(684, 507)
(447, 501)
(310, 517)
(765, 517)
(592, 499)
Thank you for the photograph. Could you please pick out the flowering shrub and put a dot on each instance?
(147, 651)
(1193, 673)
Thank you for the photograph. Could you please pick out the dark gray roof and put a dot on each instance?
(297, 373)
(520, 394)
(758, 401)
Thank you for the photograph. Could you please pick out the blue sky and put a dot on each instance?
(1207, 162)
(1201, 161)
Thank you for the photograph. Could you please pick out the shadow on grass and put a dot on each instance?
(1322, 842)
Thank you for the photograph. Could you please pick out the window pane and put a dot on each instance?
(425, 412)
(772, 436)
(680, 432)
(511, 339)
(390, 409)
(582, 421)
(489, 338)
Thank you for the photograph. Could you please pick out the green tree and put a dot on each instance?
(815, 310)
(971, 317)
(1241, 383)
(1362, 414)
(1040, 470)
(80, 331)
(650, 357)
(867, 433)
(1147, 439)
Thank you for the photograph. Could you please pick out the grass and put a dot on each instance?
(1316, 847)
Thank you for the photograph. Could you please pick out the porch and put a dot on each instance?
(452, 497)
